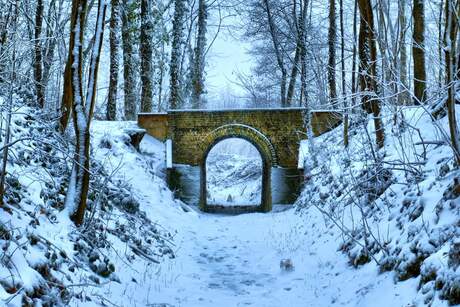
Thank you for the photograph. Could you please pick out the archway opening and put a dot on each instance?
(234, 170)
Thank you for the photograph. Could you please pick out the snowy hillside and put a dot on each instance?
(398, 211)
(141, 247)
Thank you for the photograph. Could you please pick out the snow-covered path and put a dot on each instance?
(235, 261)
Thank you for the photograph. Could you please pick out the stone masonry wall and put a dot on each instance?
(189, 128)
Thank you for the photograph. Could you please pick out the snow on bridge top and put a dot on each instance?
(278, 109)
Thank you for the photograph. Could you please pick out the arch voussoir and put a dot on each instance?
(262, 143)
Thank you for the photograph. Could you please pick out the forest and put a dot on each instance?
(88, 212)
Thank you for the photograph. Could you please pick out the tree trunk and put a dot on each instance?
(76, 191)
(450, 41)
(296, 64)
(199, 59)
(354, 70)
(278, 52)
(440, 46)
(114, 60)
(342, 68)
(52, 41)
(83, 108)
(146, 54)
(129, 61)
(38, 60)
(403, 88)
(418, 49)
(5, 23)
(332, 36)
(67, 94)
(9, 106)
(293, 79)
(303, 79)
(368, 70)
(176, 51)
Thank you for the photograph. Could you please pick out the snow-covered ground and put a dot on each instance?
(292, 256)
(234, 174)
(226, 260)
(223, 260)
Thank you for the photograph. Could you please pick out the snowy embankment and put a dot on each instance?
(144, 248)
(45, 259)
(397, 209)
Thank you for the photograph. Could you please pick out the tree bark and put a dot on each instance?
(129, 61)
(38, 60)
(9, 106)
(450, 51)
(295, 66)
(83, 108)
(114, 60)
(176, 51)
(418, 49)
(199, 59)
(332, 37)
(53, 27)
(278, 52)
(146, 55)
(403, 88)
(67, 94)
(303, 79)
(342, 68)
(354, 70)
(368, 69)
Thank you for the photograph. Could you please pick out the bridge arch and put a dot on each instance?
(261, 143)
(275, 132)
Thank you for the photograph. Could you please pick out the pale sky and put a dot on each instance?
(227, 55)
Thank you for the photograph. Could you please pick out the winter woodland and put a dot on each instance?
(87, 214)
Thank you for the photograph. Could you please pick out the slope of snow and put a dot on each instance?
(221, 260)
(235, 260)
(398, 213)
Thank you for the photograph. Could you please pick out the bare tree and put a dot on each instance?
(38, 60)
(146, 55)
(67, 93)
(297, 19)
(342, 69)
(176, 47)
(332, 38)
(450, 50)
(9, 107)
(278, 51)
(199, 55)
(83, 107)
(129, 59)
(403, 96)
(368, 68)
(418, 49)
(114, 59)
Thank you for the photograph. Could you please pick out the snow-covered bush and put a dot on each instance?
(398, 207)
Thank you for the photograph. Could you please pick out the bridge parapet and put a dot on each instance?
(282, 127)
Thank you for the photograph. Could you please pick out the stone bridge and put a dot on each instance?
(276, 133)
